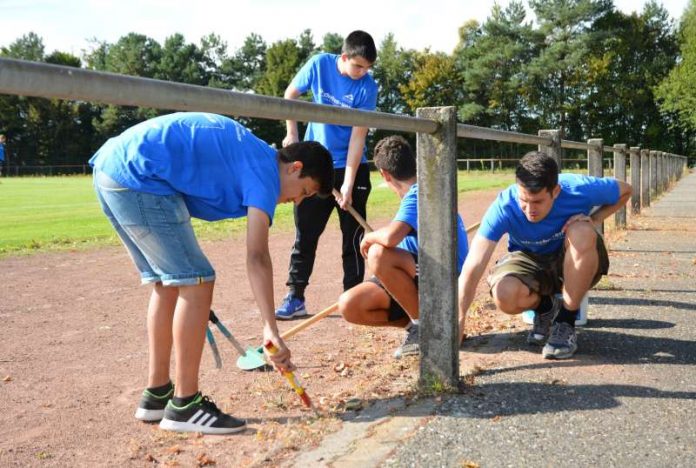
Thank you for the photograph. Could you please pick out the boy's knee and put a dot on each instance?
(581, 236)
(375, 257)
(505, 294)
(346, 302)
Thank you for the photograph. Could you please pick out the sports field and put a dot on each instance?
(53, 213)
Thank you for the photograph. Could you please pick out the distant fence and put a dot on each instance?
(436, 130)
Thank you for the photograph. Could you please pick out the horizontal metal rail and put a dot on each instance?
(483, 133)
(26, 78)
(574, 145)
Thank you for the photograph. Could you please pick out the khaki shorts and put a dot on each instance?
(542, 274)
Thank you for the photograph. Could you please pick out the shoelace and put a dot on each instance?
(210, 405)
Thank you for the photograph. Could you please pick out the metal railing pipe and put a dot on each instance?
(26, 78)
(483, 133)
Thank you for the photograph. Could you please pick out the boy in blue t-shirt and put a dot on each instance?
(554, 246)
(390, 297)
(150, 181)
(335, 80)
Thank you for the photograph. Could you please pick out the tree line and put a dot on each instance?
(581, 66)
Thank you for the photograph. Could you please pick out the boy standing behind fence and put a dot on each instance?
(390, 297)
(337, 80)
(150, 181)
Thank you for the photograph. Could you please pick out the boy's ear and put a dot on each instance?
(385, 175)
(295, 166)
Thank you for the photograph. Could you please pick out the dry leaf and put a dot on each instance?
(8, 378)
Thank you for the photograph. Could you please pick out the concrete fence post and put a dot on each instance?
(594, 162)
(635, 179)
(661, 185)
(658, 172)
(664, 176)
(620, 174)
(653, 174)
(554, 149)
(645, 178)
(437, 241)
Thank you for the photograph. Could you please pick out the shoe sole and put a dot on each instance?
(292, 316)
(178, 426)
(557, 354)
(149, 415)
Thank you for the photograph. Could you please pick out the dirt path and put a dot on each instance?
(73, 358)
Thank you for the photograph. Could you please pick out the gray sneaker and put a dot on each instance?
(542, 323)
(411, 344)
(562, 343)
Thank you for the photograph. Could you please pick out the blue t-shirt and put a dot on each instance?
(218, 165)
(2, 152)
(408, 213)
(321, 75)
(578, 195)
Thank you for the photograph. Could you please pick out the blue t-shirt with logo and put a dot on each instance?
(328, 86)
(579, 195)
(408, 213)
(218, 165)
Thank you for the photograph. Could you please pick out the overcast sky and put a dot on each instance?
(67, 25)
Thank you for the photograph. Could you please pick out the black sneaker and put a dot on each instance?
(542, 323)
(201, 415)
(563, 342)
(151, 406)
(411, 344)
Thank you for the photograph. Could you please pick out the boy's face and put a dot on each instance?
(536, 206)
(354, 67)
(294, 188)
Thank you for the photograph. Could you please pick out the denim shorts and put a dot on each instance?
(157, 232)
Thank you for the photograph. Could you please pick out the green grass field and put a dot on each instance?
(53, 213)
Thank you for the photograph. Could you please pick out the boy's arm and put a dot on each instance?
(353, 158)
(291, 135)
(260, 273)
(625, 191)
(475, 264)
(388, 236)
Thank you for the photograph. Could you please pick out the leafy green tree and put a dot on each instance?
(391, 71)
(134, 54)
(677, 92)
(557, 74)
(634, 55)
(28, 47)
(434, 81)
(181, 62)
(491, 60)
(332, 43)
(246, 67)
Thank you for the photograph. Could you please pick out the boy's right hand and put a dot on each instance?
(281, 359)
(290, 139)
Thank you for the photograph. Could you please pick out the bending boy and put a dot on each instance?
(335, 80)
(150, 181)
(390, 297)
(554, 246)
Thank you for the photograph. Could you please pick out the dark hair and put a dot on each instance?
(316, 163)
(360, 43)
(394, 155)
(537, 171)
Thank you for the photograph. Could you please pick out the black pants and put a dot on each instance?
(311, 217)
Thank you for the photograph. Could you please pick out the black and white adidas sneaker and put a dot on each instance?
(151, 406)
(201, 415)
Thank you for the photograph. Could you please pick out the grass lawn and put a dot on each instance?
(53, 213)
